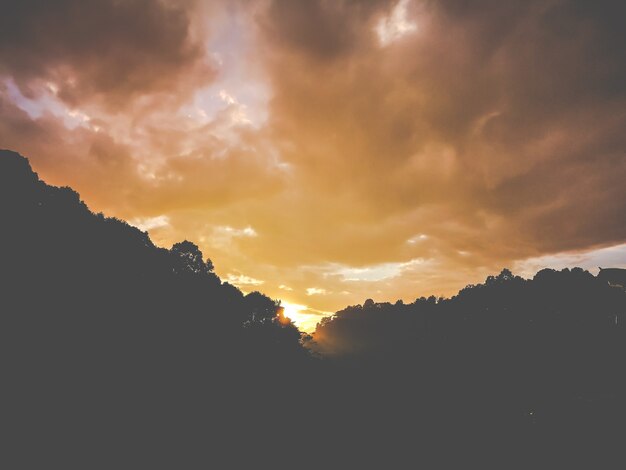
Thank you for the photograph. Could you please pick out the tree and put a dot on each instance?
(190, 259)
(260, 308)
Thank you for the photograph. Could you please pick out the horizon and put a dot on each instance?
(302, 320)
(325, 153)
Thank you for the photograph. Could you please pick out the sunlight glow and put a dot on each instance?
(292, 311)
(302, 316)
(396, 25)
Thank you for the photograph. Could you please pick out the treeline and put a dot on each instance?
(116, 351)
(552, 345)
(106, 336)
(504, 313)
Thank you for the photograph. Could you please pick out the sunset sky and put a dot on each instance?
(329, 151)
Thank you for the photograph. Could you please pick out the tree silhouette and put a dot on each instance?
(107, 339)
(191, 260)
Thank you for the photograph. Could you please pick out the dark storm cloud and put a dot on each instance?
(506, 116)
(319, 29)
(112, 50)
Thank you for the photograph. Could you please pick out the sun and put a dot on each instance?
(299, 316)
(292, 311)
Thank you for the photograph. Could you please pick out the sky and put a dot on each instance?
(325, 152)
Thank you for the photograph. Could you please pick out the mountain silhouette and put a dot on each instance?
(119, 353)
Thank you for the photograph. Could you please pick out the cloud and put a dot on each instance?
(392, 27)
(315, 291)
(241, 280)
(150, 223)
(487, 130)
(417, 238)
(235, 232)
(113, 52)
(310, 143)
(376, 272)
(317, 29)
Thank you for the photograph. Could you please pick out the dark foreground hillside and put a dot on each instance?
(551, 349)
(110, 341)
(118, 354)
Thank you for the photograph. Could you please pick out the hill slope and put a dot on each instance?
(117, 353)
(104, 332)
